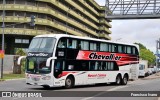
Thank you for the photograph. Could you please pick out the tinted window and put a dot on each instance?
(93, 46)
(71, 43)
(62, 43)
(120, 49)
(103, 47)
(129, 51)
(84, 45)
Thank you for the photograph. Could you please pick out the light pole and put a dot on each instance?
(118, 39)
(3, 27)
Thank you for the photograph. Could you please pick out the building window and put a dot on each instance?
(20, 1)
(9, 13)
(19, 26)
(42, 16)
(25, 41)
(19, 14)
(18, 41)
(31, 3)
(9, 1)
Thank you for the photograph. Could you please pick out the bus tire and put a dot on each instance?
(125, 80)
(46, 87)
(69, 82)
(118, 80)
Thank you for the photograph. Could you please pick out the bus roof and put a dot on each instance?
(85, 38)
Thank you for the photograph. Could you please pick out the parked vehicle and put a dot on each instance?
(141, 70)
(150, 71)
(153, 70)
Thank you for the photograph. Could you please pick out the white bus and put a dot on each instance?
(66, 60)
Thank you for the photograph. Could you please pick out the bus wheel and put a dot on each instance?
(124, 80)
(46, 87)
(118, 80)
(69, 82)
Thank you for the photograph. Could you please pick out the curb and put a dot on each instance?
(151, 78)
(11, 79)
(2, 80)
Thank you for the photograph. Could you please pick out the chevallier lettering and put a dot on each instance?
(104, 57)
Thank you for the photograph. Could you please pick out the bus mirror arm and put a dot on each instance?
(49, 60)
(19, 59)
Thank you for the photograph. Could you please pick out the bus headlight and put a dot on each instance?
(46, 77)
(27, 76)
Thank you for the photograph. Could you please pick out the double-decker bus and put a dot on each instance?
(65, 60)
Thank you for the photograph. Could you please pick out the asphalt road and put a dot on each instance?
(100, 90)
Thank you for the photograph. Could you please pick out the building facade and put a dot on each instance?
(75, 17)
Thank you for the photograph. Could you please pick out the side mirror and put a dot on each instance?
(20, 58)
(49, 60)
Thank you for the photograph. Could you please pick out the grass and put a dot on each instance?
(12, 76)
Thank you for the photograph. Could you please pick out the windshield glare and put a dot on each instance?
(42, 44)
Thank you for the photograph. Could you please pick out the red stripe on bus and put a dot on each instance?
(65, 73)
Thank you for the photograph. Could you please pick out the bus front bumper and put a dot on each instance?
(39, 80)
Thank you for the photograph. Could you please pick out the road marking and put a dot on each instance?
(113, 89)
(116, 88)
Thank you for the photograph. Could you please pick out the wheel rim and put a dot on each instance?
(125, 80)
(68, 82)
(118, 80)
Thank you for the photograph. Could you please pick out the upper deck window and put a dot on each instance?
(84, 45)
(93, 46)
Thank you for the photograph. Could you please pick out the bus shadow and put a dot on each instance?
(76, 87)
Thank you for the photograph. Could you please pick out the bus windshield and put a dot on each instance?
(42, 44)
(37, 65)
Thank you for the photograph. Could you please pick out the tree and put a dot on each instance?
(146, 54)
(20, 52)
(19, 69)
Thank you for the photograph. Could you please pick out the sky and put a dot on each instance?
(145, 31)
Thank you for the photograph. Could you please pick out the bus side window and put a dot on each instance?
(92, 65)
(71, 43)
(124, 49)
(104, 66)
(114, 48)
(99, 65)
(96, 66)
(129, 51)
(120, 49)
(84, 66)
(93, 46)
(62, 43)
(109, 47)
(84, 45)
(112, 65)
(103, 47)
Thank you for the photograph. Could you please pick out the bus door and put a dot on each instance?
(58, 65)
